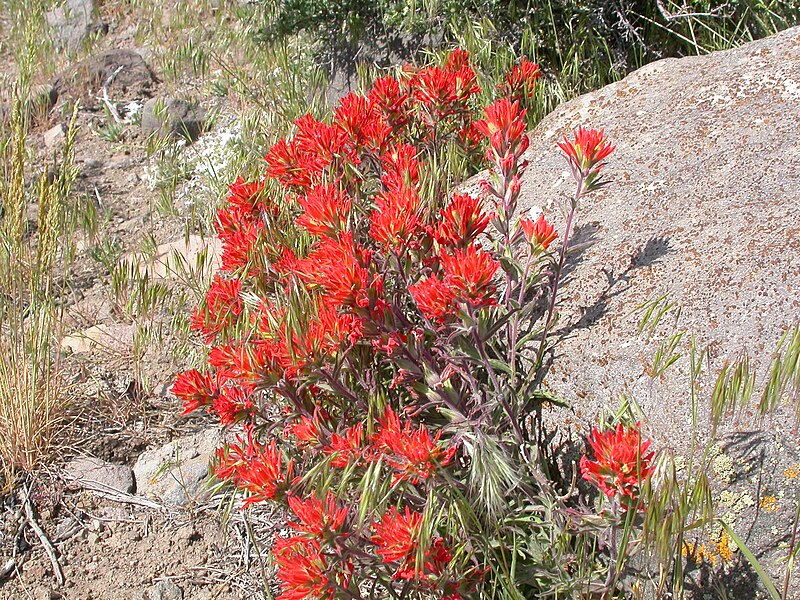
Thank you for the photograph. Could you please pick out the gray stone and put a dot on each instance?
(701, 204)
(164, 590)
(71, 23)
(172, 117)
(124, 73)
(55, 136)
(85, 470)
(177, 472)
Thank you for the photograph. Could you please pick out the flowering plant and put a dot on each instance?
(377, 339)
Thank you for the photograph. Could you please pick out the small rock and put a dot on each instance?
(100, 337)
(171, 259)
(173, 117)
(124, 73)
(176, 473)
(92, 539)
(54, 138)
(163, 590)
(85, 469)
(71, 24)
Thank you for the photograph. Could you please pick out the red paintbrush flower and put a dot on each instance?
(317, 519)
(414, 453)
(621, 461)
(236, 248)
(362, 121)
(325, 143)
(346, 447)
(540, 233)
(520, 81)
(395, 222)
(461, 222)
(287, 163)
(340, 268)
(397, 537)
(302, 569)
(325, 210)
(306, 430)
(196, 389)
(255, 468)
(249, 196)
(388, 97)
(232, 405)
(469, 273)
(505, 127)
(222, 306)
(401, 167)
(434, 299)
(587, 150)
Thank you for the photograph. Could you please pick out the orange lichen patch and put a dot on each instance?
(723, 547)
(769, 503)
(792, 472)
(699, 553)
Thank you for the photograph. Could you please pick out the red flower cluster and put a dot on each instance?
(540, 234)
(255, 468)
(413, 453)
(621, 461)
(397, 537)
(339, 307)
(587, 151)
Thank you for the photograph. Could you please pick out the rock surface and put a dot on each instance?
(176, 473)
(55, 136)
(701, 205)
(124, 73)
(71, 23)
(87, 470)
(173, 117)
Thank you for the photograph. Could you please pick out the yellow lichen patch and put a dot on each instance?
(769, 503)
(792, 472)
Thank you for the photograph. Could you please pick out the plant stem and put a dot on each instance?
(559, 269)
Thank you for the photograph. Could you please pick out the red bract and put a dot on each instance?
(249, 196)
(505, 127)
(390, 100)
(397, 538)
(317, 519)
(587, 150)
(340, 267)
(232, 405)
(540, 233)
(362, 121)
(520, 81)
(319, 140)
(441, 91)
(434, 299)
(621, 461)
(461, 222)
(302, 569)
(325, 211)
(414, 453)
(395, 223)
(287, 163)
(221, 307)
(401, 167)
(236, 248)
(347, 447)
(306, 430)
(255, 468)
(469, 273)
(196, 389)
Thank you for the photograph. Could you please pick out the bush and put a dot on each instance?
(378, 338)
(579, 43)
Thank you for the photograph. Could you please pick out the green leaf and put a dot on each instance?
(762, 574)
